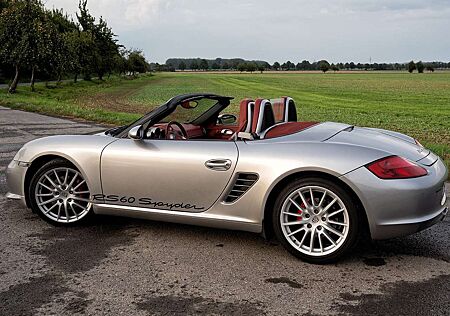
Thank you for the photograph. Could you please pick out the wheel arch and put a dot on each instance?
(270, 201)
(37, 163)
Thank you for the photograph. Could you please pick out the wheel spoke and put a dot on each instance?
(40, 183)
(78, 185)
(44, 194)
(295, 204)
(51, 208)
(294, 223)
(292, 214)
(328, 237)
(57, 177)
(81, 192)
(65, 177)
(312, 197)
(50, 180)
(334, 231)
(320, 242)
(303, 198)
(323, 198)
(73, 210)
(337, 223)
(80, 199)
(59, 211)
(73, 180)
(325, 209)
(335, 212)
(296, 231)
(311, 241)
(66, 211)
(48, 201)
(80, 206)
(303, 238)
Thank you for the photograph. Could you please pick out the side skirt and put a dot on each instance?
(200, 219)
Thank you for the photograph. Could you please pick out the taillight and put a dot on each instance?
(395, 167)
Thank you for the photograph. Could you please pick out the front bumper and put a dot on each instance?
(401, 207)
(15, 179)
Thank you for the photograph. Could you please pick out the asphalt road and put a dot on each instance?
(126, 266)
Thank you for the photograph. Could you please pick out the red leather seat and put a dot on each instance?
(246, 108)
(263, 117)
(284, 110)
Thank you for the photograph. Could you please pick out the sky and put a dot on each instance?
(279, 30)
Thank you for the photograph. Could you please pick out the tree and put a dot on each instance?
(334, 67)
(204, 64)
(430, 68)
(104, 45)
(215, 66)
(225, 66)
(276, 66)
(136, 62)
(324, 66)
(251, 67)
(22, 36)
(411, 66)
(242, 67)
(194, 65)
(182, 66)
(420, 67)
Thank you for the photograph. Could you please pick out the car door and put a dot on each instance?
(176, 175)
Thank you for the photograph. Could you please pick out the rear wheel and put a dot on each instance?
(60, 194)
(315, 220)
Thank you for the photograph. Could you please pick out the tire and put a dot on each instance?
(334, 225)
(59, 194)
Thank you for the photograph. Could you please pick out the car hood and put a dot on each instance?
(388, 141)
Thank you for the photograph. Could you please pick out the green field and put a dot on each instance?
(415, 104)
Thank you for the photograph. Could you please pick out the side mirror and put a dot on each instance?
(226, 119)
(136, 133)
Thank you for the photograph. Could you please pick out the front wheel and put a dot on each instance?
(315, 220)
(59, 193)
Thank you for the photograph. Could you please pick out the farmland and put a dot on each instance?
(415, 104)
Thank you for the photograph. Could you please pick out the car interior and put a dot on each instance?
(257, 119)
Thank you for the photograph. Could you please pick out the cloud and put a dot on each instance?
(338, 30)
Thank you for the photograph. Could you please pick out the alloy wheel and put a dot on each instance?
(62, 195)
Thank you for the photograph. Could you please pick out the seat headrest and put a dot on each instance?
(284, 109)
(263, 116)
(245, 115)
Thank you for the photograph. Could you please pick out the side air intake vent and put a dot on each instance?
(243, 183)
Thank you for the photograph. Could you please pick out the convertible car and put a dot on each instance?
(316, 186)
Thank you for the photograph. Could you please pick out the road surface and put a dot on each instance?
(126, 266)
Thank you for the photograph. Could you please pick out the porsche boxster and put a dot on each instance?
(316, 186)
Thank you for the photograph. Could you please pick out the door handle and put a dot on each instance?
(218, 164)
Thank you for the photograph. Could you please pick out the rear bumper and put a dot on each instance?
(401, 207)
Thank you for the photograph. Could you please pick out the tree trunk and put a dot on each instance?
(59, 79)
(13, 86)
(75, 78)
(33, 70)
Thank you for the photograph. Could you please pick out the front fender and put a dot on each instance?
(83, 151)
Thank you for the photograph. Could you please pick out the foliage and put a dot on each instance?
(411, 66)
(420, 67)
(50, 44)
(324, 66)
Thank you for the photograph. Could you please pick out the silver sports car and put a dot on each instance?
(316, 186)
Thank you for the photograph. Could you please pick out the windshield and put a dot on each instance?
(189, 112)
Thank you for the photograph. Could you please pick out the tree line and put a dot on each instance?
(36, 41)
(194, 64)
